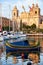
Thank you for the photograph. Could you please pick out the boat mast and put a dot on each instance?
(9, 17)
(13, 26)
(0, 17)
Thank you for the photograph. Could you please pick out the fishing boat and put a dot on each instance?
(19, 46)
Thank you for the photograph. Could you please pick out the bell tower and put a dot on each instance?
(34, 15)
(37, 10)
(37, 15)
(14, 18)
(14, 13)
(34, 10)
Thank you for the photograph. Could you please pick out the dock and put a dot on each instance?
(37, 35)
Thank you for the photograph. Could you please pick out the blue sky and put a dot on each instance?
(6, 3)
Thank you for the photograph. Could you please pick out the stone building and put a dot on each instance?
(33, 16)
(28, 18)
(15, 18)
(4, 22)
(41, 22)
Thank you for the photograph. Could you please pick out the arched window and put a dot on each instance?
(14, 13)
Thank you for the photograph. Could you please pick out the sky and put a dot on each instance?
(6, 6)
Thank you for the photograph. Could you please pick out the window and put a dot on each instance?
(14, 14)
(35, 12)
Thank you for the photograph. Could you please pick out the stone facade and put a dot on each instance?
(5, 22)
(29, 18)
(41, 22)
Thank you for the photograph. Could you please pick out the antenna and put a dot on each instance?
(13, 25)
(9, 17)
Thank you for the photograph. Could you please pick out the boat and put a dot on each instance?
(16, 35)
(19, 46)
(4, 33)
(1, 37)
(8, 36)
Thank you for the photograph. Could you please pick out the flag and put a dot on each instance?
(30, 8)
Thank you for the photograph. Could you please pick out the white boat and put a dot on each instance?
(16, 35)
(10, 35)
(4, 33)
(1, 37)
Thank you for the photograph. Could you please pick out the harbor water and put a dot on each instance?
(10, 61)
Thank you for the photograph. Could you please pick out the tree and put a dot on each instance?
(21, 25)
(33, 27)
(7, 28)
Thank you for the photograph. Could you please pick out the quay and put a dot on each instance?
(37, 35)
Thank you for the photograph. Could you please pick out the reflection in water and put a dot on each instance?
(31, 55)
(41, 44)
(34, 56)
(2, 54)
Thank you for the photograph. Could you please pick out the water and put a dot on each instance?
(10, 60)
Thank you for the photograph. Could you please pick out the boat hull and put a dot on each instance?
(8, 49)
(17, 48)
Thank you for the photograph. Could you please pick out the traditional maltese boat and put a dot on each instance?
(20, 45)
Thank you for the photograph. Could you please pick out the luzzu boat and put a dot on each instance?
(20, 45)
